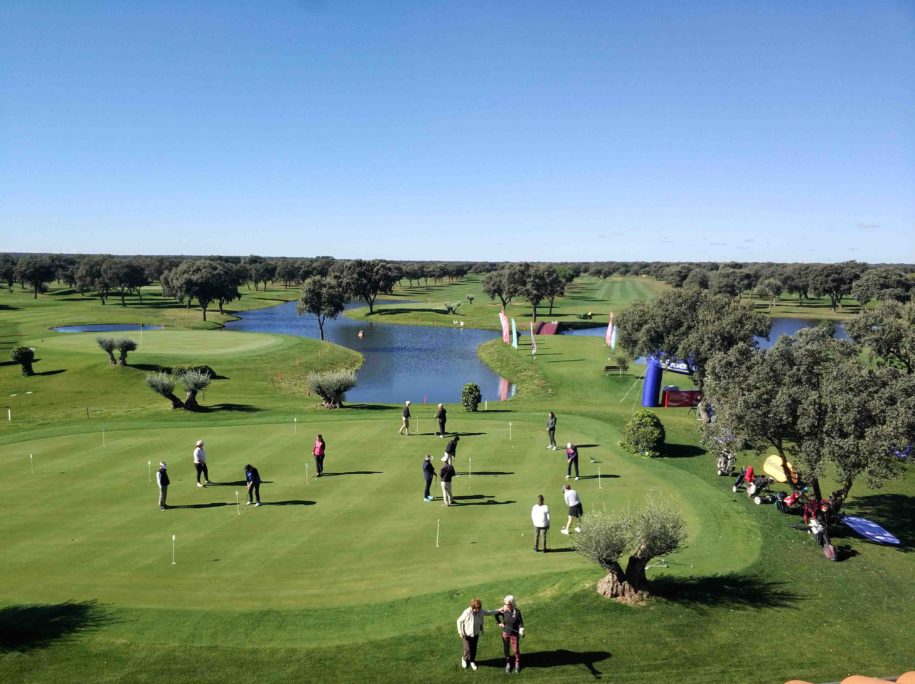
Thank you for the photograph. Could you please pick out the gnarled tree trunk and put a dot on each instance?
(176, 402)
(617, 586)
(190, 401)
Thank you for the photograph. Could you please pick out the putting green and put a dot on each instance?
(193, 343)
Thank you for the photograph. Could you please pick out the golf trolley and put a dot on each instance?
(726, 462)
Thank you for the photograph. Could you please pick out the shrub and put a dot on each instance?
(124, 345)
(181, 369)
(452, 307)
(107, 345)
(24, 356)
(470, 299)
(164, 384)
(622, 360)
(644, 434)
(471, 397)
(331, 386)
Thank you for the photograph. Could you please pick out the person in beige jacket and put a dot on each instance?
(470, 627)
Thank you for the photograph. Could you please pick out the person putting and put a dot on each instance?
(571, 460)
(551, 430)
(451, 449)
(253, 480)
(575, 510)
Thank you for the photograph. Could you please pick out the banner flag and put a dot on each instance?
(503, 319)
(610, 337)
(613, 339)
(514, 334)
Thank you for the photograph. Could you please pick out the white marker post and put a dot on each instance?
(149, 472)
(469, 470)
(9, 415)
(486, 405)
(31, 468)
(103, 437)
(599, 486)
(509, 431)
(173, 549)
(237, 504)
(438, 526)
(306, 474)
(295, 426)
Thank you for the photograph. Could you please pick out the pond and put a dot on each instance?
(779, 327)
(105, 327)
(421, 363)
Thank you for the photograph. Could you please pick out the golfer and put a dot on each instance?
(540, 516)
(571, 460)
(318, 453)
(451, 449)
(163, 482)
(509, 618)
(574, 503)
(470, 627)
(200, 463)
(405, 426)
(441, 415)
(253, 478)
(444, 476)
(551, 429)
(428, 475)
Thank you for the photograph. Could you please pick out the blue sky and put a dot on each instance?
(515, 130)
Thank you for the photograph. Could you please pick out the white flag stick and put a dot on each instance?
(173, 549)
(437, 528)
(306, 474)
(31, 468)
(509, 431)
(237, 504)
(598, 478)
(295, 426)
(149, 472)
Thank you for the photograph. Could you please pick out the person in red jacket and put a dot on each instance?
(318, 453)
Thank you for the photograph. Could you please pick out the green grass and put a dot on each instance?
(340, 579)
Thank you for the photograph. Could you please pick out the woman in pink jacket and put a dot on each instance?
(318, 452)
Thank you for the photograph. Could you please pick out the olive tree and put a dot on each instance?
(194, 381)
(107, 345)
(124, 346)
(331, 386)
(164, 384)
(656, 529)
(24, 356)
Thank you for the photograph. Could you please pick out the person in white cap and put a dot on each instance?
(405, 426)
(509, 618)
(200, 463)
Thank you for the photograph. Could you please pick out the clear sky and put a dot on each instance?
(479, 130)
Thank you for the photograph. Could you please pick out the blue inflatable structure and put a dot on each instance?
(651, 389)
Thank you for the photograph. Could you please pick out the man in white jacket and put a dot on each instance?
(540, 516)
(470, 627)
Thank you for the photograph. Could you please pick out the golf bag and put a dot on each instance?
(757, 488)
(726, 462)
(744, 477)
(788, 503)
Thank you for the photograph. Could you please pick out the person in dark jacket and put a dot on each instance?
(441, 416)
(428, 475)
(571, 460)
(509, 618)
(551, 430)
(445, 475)
(253, 478)
(405, 425)
(163, 482)
(451, 449)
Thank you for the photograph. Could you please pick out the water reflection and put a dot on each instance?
(420, 363)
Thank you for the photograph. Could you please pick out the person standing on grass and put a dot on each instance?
(200, 463)
(575, 510)
(428, 475)
(470, 627)
(571, 460)
(551, 429)
(318, 453)
(445, 475)
(253, 479)
(540, 516)
(163, 482)
(451, 449)
(441, 415)
(509, 618)
(405, 425)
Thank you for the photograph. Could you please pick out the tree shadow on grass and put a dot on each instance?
(240, 408)
(53, 372)
(291, 502)
(27, 627)
(558, 658)
(681, 451)
(487, 472)
(895, 512)
(730, 590)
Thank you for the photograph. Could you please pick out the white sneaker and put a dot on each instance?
(473, 666)
(578, 529)
(463, 664)
(199, 485)
(567, 477)
(563, 531)
(576, 477)
(257, 504)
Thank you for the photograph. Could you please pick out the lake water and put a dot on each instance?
(779, 327)
(104, 327)
(419, 363)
